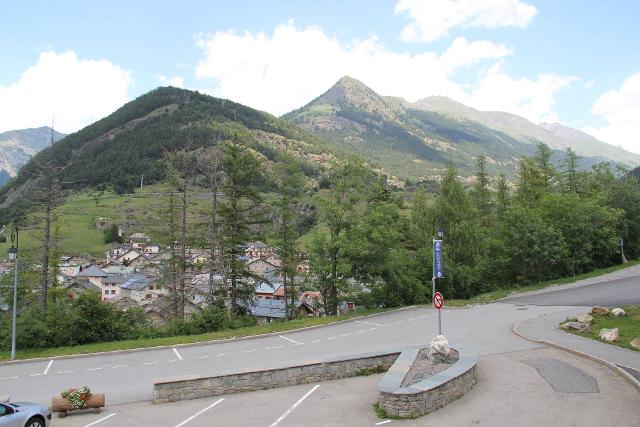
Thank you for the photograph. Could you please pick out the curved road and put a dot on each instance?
(128, 377)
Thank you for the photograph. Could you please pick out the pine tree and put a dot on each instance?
(481, 193)
(543, 161)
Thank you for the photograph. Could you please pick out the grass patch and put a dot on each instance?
(382, 414)
(629, 326)
(187, 339)
(503, 293)
(365, 372)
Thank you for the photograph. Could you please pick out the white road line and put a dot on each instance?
(372, 329)
(360, 331)
(221, 354)
(93, 369)
(2, 378)
(316, 341)
(383, 422)
(13, 377)
(200, 412)
(332, 338)
(423, 317)
(345, 335)
(369, 323)
(175, 350)
(65, 372)
(35, 375)
(248, 351)
(290, 340)
(202, 357)
(46, 370)
(100, 420)
(118, 366)
(273, 348)
(295, 405)
(149, 363)
(174, 360)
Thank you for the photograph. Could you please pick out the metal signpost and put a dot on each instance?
(438, 273)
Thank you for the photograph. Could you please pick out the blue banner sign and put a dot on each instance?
(438, 269)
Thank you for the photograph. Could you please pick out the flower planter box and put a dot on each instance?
(62, 405)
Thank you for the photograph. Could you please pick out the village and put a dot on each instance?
(130, 275)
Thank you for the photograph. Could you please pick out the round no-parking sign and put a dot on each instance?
(438, 300)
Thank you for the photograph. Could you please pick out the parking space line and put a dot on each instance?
(295, 405)
(35, 375)
(332, 338)
(370, 323)
(248, 351)
(175, 350)
(46, 370)
(290, 340)
(93, 369)
(200, 412)
(220, 355)
(202, 357)
(65, 372)
(149, 363)
(273, 348)
(100, 420)
(383, 422)
(13, 377)
(118, 366)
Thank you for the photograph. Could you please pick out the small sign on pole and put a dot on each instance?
(438, 269)
(438, 300)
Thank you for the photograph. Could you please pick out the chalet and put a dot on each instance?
(128, 256)
(199, 258)
(265, 290)
(79, 286)
(141, 287)
(119, 269)
(111, 285)
(93, 274)
(258, 250)
(122, 302)
(268, 310)
(260, 266)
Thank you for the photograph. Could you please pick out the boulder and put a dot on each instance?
(609, 334)
(576, 326)
(635, 343)
(439, 346)
(618, 312)
(585, 318)
(600, 311)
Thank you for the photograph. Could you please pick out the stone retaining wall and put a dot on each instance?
(430, 394)
(196, 387)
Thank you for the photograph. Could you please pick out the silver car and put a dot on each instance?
(24, 414)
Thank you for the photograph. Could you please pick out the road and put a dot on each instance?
(625, 291)
(127, 377)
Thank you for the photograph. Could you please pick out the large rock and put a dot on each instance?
(439, 346)
(609, 334)
(576, 326)
(618, 312)
(635, 343)
(585, 318)
(601, 311)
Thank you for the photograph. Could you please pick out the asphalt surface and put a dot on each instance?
(128, 377)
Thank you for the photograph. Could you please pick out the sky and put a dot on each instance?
(573, 62)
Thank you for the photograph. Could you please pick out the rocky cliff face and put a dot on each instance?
(18, 146)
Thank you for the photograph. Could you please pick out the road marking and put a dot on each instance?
(295, 405)
(202, 357)
(100, 420)
(345, 335)
(221, 354)
(35, 375)
(174, 360)
(248, 351)
(372, 329)
(383, 422)
(149, 363)
(65, 372)
(2, 378)
(175, 350)
(13, 377)
(400, 322)
(316, 341)
(360, 331)
(332, 338)
(369, 323)
(93, 369)
(424, 317)
(273, 348)
(46, 370)
(289, 339)
(118, 366)
(200, 412)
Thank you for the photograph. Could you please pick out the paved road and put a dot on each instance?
(625, 291)
(128, 377)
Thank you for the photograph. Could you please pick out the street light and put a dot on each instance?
(13, 256)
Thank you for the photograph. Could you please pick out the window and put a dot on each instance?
(113, 292)
(106, 291)
(151, 287)
(5, 410)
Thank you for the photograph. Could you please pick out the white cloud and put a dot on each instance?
(530, 98)
(175, 81)
(75, 91)
(621, 110)
(289, 68)
(431, 20)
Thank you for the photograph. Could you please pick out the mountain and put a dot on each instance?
(416, 140)
(117, 150)
(18, 146)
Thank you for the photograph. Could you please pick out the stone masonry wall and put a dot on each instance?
(194, 387)
(421, 402)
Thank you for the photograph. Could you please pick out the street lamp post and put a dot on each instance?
(13, 255)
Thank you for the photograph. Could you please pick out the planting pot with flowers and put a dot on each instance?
(77, 398)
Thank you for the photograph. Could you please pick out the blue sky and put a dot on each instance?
(576, 62)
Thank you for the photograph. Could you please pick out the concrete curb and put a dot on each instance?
(200, 343)
(617, 369)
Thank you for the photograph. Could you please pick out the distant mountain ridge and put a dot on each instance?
(18, 146)
(416, 140)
